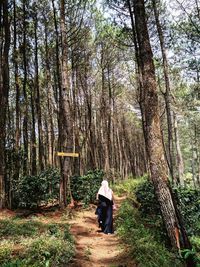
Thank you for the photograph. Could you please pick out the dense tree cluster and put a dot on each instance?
(66, 90)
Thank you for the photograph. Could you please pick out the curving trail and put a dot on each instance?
(93, 248)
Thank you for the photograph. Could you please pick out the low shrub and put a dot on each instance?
(84, 188)
(189, 204)
(150, 210)
(49, 250)
(188, 200)
(145, 195)
(195, 240)
(149, 217)
(31, 191)
(143, 245)
(15, 263)
(127, 187)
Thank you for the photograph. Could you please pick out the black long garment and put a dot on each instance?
(105, 214)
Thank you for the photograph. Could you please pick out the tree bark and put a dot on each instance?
(65, 123)
(50, 102)
(25, 115)
(33, 137)
(196, 145)
(139, 74)
(17, 121)
(179, 158)
(4, 90)
(166, 93)
(38, 100)
(158, 166)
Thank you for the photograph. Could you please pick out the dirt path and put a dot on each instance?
(93, 248)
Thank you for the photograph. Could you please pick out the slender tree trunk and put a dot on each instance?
(103, 113)
(4, 90)
(65, 123)
(193, 167)
(109, 110)
(139, 75)
(119, 151)
(158, 166)
(75, 111)
(196, 154)
(25, 115)
(38, 100)
(50, 121)
(91, 139)
(17, 105)
(58, 84)
(17, 131)
(33, 137)
(9, 167)
(58, 75)
(179, 158)
(167, 92)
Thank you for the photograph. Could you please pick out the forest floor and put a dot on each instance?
(94, 248)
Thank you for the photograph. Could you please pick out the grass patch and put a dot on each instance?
(144, 247)
(16, 227)
(30, 243)
(147, 245)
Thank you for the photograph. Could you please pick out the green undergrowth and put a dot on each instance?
(188, 202)
(144, 235)
(30, 243)
(30, 191)
(144, 246)
(84, 188)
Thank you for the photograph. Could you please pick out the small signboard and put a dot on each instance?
(67, 154)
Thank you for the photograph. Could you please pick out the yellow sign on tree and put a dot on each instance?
(67, 154)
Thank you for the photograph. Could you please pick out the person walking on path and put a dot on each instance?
(104, 210)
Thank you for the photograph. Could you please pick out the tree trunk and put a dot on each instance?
(25, 115)
(167, 93)
(17, 131)
(196, 145)
(38, 100)
(4, 89)
(65, 123)
(104, 114)
(139, 75)
(57, 78)
(179, 158)
(50, 101)
(33, 137)
(109, 110)
(158, 166)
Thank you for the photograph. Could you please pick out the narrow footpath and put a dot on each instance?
(93, 248)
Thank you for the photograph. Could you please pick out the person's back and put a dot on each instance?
(105, 208)
(106, 200)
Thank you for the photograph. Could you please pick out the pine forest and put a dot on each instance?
(94, 91)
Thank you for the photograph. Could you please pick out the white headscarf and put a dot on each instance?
(105, 191)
